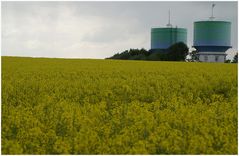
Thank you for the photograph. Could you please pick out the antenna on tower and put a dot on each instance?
(212, 17)
(169, 24)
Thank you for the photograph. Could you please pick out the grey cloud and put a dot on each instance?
(98, 29)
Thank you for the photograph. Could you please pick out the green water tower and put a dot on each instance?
(163, 38)
(212, 39)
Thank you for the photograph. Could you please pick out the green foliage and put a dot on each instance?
(176, 52)
(132, 54)
(71, 106)
(235, 58)
(227, 61)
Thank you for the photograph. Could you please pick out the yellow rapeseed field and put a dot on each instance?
(77, 106)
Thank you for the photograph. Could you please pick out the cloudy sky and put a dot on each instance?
(98, 29)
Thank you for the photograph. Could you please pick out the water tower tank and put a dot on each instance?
(212, 36)
(163, 38)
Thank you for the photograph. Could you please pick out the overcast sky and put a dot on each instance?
(98, 29)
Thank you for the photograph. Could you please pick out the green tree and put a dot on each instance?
(227, 61)
(235, 58)
(132, 54)
(177, 52)
(194, 56)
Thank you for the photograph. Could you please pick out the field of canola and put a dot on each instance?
(73, 106)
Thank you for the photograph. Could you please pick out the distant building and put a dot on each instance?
(163, 38)
(212, 39)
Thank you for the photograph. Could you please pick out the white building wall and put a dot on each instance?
(212, 57)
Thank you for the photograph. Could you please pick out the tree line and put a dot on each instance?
(176, 52)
